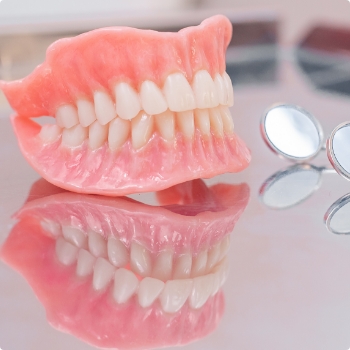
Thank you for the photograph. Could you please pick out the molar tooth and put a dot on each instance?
(216, 124)
(50, 133)
(86, 112)
(183, 266)
(229, 88)
(149, 290)
(74, 236)
(178, 93)
(117, 252)
(66, 116)
(74, 136)
(185, 121)
(202, 289)
(119, 131)
(199, 263)
(97, 134)
(213, 256)
(125, 285)
(65, 251)
(152, 99)
(54, 228)
(104, 107)
(204, 90)
(226, 120)
(202, 121)
(140, 259)
(165, 123)
(97, 244)
(175, 294)
(127, 101)
(221, 89)
(85, 265)
(142, 128)
(103, 274)
(163, 265)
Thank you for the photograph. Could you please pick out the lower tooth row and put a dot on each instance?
(214, 120)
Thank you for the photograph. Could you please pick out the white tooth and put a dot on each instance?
(216, 124)
(97, 135)
(66, 252)
(140, 259)
(185, 121)
(175, 294)
(221, 272)
(50, 133)
(226, 120)
(165, 123)
(85, 265)
(178, 93)
(103, 274)
(66, 116)
(163, 265)
(141, 129)
(74, 235)
(125, 285)
(119, 131)
(97, 244)
(229, 89)
(202, 121)
(204, 90)
(202, 289)
(86, 112)
(104, 107)
(149, 290)
(199, 264)
(221, 89)
(183, 265)
(127, 101)
(74, 136)
(216, 282)
(152, 99)
(52, 227)
(225, 246)
(117, 252)
(213, 256)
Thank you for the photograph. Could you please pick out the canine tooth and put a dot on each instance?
(216, 124)
(97, 135)
(175, 294)
(74, 136)
(125, 285)
(140, 259)
(229, 88)
(119, 131)
(117, 252)
(165, 123)
(50, 133)
(74, 236)
(66, 116)
(221, 89)
(183, 265)
(103, 274)
(85, 265)
(142, 128)
(202, 121)
(66, 252)
(163, 266)
(204, 90)
(97, 244)
(221, 271)
(152, 99)
(127, 101)
(52, 227)
(201, 291)
(199, 264)
(178, 93)
(149, 290)
(226, 120)
(104, 107)
(86, 112)
(185, 121)
(213, 256)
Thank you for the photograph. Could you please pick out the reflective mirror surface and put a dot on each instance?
(337, 218)
(292, 132)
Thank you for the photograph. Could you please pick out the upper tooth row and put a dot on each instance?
(177, 95)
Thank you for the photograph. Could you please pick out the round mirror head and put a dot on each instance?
(338, 149)
(290, 187)
(292, 132)
(337, 218)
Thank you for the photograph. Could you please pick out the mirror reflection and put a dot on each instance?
(337, 217)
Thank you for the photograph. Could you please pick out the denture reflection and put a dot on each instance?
(120, 273)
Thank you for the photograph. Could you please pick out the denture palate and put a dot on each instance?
(113, 117)
(133, 270)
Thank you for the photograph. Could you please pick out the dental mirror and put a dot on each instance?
(292, 132)
(337, 217)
